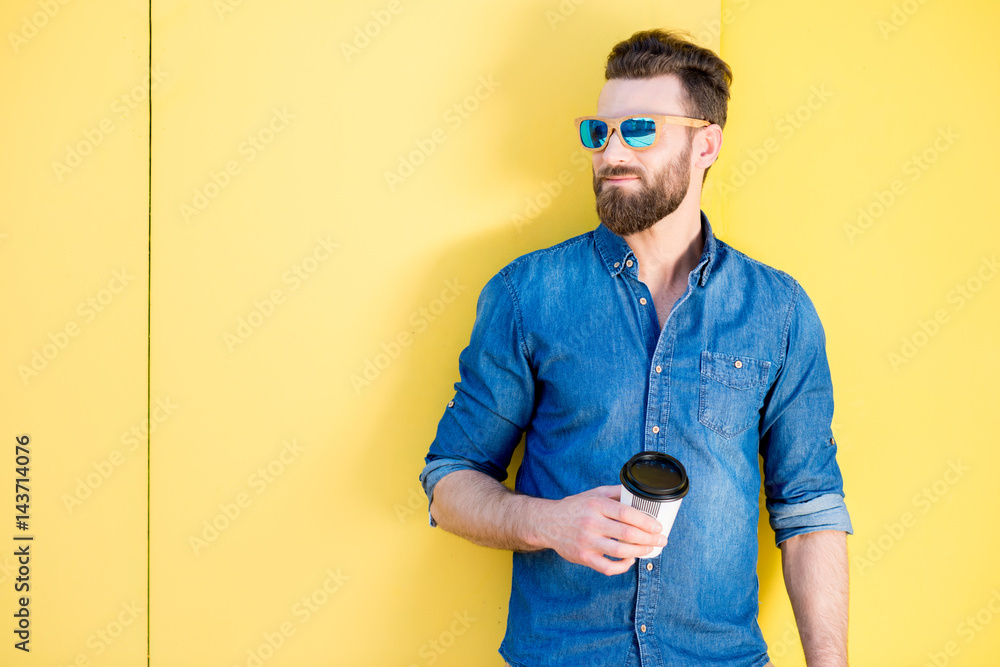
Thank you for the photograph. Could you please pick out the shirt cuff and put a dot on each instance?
(434, 471)
(826, 512)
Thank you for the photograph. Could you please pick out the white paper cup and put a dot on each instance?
(654, 483)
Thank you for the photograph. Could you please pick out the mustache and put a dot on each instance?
(617, 170)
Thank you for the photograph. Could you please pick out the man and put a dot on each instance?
(648, 333)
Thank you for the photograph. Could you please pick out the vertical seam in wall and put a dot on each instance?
(149, 311)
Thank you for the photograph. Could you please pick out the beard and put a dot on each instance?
(659, 195)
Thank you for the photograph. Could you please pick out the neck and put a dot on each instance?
(671, 248)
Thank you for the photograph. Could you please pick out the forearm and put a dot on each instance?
(480, 509)
(815, 569)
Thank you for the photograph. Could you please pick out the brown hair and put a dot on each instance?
(705, 76)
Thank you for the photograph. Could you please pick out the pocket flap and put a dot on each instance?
(738, 372)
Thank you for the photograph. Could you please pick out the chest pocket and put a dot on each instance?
(732, 391)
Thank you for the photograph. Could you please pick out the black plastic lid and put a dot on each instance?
(655, 476)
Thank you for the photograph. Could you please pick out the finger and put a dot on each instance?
(620, 567)
(623, 549)
(609, 567)
(632, 516)
(624, 532)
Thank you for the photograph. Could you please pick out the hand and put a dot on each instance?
(586, 527)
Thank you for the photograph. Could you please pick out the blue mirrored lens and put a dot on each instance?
(593, 133)
(639, 132)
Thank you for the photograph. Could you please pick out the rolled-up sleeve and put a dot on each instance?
(494, 397)
(802, 480)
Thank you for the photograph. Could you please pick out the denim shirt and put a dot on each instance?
(567, 349)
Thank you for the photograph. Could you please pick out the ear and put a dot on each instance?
(706, 146)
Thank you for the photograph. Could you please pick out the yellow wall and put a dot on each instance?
(325, 207)
(906, 134)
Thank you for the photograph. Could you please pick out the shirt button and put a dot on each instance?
(451, 404)
(643, 627)
(642, 300)
(617, 264)
(628, 263)
(656, 429)
(659, 369)
(738, 364)
(649, 567)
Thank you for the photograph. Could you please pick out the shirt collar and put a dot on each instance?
(615, 250)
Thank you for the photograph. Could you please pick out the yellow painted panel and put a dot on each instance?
(333, 184)
(74, 275)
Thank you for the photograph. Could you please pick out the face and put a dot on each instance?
(636, 189)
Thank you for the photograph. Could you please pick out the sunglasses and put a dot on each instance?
(638, 132)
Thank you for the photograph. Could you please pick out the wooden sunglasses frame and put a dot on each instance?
(615, 123)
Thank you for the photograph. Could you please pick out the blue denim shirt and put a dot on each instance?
(567, 348)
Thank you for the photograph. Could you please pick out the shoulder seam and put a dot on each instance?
(796, 290)
(768, 267)
(518, 324)
(580, 238)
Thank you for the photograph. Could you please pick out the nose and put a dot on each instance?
(615, 150)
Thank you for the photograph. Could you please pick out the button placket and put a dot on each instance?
(648, 321)
(645, 609)
(658, 394)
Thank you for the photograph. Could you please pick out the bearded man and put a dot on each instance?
(648, 334)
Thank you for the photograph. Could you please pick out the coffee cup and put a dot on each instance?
(654, 483)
